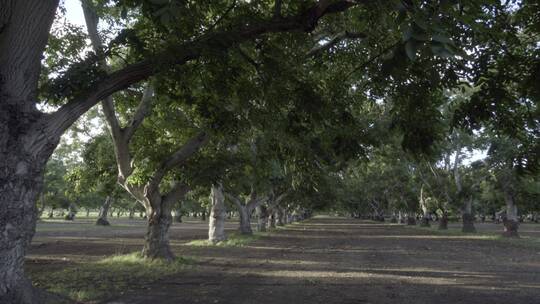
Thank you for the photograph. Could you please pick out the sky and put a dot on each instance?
(74, 12)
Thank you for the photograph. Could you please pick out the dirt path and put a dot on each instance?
(332, 260)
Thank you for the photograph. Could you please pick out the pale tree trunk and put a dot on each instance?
(218, 213)
(510, 221)
(468, 217)
(424, 222)
(104, 211)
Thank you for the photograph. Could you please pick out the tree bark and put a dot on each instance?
(424, 222)
(510, 220)
(262, 218)
(468, 217)
(103, 212)
(280, 214)
(245, 219)
(443, 221)
(218, 213)
(157, 234)
(271, 222)
(25, 140)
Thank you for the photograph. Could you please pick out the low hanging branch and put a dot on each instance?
(306, 21)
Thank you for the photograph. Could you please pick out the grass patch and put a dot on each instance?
(101, 279)
(233, 240)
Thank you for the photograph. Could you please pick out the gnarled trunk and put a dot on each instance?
(157, 234)
(17, 226)
(218, 214)
(103, 212)
(510, 221)
(26, 138)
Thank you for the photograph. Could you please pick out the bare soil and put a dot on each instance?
(322, 260)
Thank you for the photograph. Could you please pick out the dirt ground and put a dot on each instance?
(322, 260)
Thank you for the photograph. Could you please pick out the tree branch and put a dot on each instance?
(305, 21)
(176, 159)
(142, 111)
(234, 199)
(178, 191)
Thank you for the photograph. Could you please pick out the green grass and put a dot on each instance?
(233, 240)
(101, 279)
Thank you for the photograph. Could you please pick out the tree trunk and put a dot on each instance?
(72, 211)
(17, 225)
(279, 216)
(157, 234)
(245, 219)
(271, 222)
(178, 216)
(411, 220)
(510, 221)
(468, 217)
(443, 221)
(262, 217)
(27, 139)
(103, 212)
(218, 213)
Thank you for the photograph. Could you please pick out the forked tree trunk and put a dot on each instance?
(103, 212)
(510, 221)
(157, 234)
(218, 214)
(468, 217)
